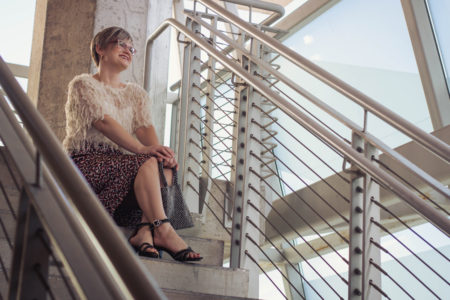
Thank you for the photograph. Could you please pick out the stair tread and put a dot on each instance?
(212, 250)
(197, 277)
(183, 295)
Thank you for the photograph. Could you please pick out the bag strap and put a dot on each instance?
(163, 178)
(174, 176)
(161, 174)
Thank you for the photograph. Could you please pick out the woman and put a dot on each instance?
(110, 137)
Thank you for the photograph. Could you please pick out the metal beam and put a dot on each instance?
(428, 61)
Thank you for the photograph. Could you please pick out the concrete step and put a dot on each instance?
(7, 222)
(179, 295)
(178, 280)
(8, 187)
(198, 278)
(210, 249)
(13, 195)
(56, 282)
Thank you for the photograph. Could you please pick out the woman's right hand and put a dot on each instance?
(159, 151)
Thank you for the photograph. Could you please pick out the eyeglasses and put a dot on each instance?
(125, 46)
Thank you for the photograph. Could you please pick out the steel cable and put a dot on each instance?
(8, 201)
(281, 253)
(212, 211)
(378, 289)
(307, 111)
(226, 114)
(412, 230)
(262, 270)
(390, 277)
(222, 127)
(401, 264)
(305, 164)
(302, 180)
(213, 132)
(409, 250)
(10, 171)
(37, 269)
(219, 154)
(409, 184)
(49, 249)
(312, 152)
(269, 259)
(299, 197)
(4, 271)
(213, 181)
(304, 240)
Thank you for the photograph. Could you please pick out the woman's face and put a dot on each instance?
(119, 53)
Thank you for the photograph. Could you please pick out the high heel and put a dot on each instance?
(182, 255)
(141, 250)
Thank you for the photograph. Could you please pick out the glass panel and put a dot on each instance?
(439, 11)
(366, 44)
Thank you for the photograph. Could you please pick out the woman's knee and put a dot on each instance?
(148, 168)
(150, 164)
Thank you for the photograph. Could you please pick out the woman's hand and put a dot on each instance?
(162, 153)
(171, 163)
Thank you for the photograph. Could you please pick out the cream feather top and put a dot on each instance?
(89, 100)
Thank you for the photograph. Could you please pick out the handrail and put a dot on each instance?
(278, 10)
(432, 143)
(137, 279)
(342, 118)
(432, 215)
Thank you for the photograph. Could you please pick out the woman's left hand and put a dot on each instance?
(170, 163)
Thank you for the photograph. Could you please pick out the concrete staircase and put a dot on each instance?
(203, 280)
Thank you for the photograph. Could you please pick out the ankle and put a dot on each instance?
(163, 229)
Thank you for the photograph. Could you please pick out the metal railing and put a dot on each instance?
(302, 203)
(60, 217)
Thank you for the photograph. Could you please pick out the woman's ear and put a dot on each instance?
(99, 50)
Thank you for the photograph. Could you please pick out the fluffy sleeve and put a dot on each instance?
(142, 109)
(84, 106)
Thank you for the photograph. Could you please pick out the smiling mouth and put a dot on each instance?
(125, 57)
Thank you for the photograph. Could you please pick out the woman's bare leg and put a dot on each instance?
(147, 189)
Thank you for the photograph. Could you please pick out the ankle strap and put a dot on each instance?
(157, 223)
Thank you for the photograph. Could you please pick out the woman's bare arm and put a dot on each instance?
(147, 136)
(116, 133)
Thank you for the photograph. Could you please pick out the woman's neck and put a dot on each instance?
(108, 77)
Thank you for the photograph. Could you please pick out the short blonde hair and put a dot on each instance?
(106, 36)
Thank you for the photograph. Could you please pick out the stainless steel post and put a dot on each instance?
(246, 164)
(191, 170)
(371, 232)
(355, 272)
(207, 149)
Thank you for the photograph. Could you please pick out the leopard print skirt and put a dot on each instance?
(111, 175)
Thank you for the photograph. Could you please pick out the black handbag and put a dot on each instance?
(174, 206)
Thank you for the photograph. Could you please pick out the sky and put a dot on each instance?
(16, 30)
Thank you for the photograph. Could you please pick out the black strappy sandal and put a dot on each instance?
(141, 250)
(182, 255)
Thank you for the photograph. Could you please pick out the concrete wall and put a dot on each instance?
(60, 49)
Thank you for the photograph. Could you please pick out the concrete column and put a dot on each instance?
(158, 11)
(60, 50)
